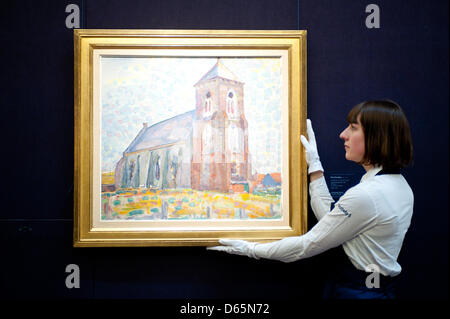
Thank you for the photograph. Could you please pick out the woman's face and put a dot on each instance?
(353, 137)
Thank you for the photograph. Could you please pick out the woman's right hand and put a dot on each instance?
(312, 155)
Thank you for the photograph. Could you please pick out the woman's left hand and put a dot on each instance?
(236, 247)
(312, 155)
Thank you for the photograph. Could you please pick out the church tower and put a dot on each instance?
(220, 133)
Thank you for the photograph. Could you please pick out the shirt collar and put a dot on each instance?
(371, 173)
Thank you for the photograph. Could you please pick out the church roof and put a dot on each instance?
(219, 70)
(173, 130)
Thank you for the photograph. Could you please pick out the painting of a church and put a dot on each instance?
(203, 149)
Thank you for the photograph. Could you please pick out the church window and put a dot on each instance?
(131, 171)
(158, 169)
(231, 106)
(207, 105)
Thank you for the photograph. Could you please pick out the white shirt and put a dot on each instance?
(370, 220)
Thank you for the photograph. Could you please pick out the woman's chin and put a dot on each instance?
(348, 157)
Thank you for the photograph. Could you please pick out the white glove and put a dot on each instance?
(236, 247)
(312, 155)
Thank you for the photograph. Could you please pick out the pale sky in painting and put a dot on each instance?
(137, 90)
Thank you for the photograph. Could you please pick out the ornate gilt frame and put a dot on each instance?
(87, 42)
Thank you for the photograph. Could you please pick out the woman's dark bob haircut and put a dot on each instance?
(387, 135)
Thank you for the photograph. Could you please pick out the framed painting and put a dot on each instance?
(183, 137)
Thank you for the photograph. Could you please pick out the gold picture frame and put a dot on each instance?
(196, 188)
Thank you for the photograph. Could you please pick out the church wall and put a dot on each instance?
(224, 87)
(219, 90)
(185, 158)
(162, 168)
(144, 164)
(220, 179)
(118, 173)
(197, 126)
(157, 169)
(201, 90)
(231, 156)
(212, 162)
(174, 167)
(131, 170)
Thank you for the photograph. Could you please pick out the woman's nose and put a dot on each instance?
(343, 134)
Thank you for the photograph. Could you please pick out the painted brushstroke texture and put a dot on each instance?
(179, 143)
(137, 90)
(144, 204)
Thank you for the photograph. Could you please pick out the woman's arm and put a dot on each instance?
(354, 213)
(320, 196)
(321, 199)
(315, 175)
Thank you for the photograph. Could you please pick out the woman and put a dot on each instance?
(370, 220)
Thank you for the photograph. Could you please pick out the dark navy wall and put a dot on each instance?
(406, 60)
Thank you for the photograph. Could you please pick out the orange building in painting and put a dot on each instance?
(204, 149)
(221, 159)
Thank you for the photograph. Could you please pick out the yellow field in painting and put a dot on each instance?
(149, 204)
(108, 178)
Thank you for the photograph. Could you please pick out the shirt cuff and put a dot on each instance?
(318, 183)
